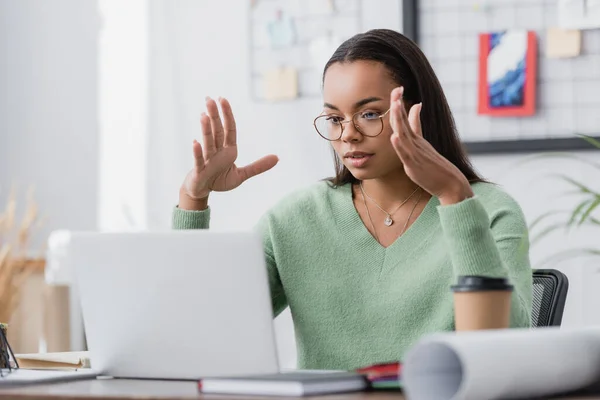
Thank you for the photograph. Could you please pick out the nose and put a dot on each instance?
(351, 134)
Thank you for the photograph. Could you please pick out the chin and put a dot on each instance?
(370, 172)
(363, 174)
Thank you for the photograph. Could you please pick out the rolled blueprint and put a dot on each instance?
(494, 364)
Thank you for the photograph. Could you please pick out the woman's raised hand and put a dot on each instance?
(214, 160)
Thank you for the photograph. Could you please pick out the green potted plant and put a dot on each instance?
(584, 213)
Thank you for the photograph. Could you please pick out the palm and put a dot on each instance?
(215, 168)
(220, 171)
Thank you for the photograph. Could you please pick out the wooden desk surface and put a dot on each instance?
(125, 389)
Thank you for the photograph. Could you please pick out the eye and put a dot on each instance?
(370, 115)
(333, 119)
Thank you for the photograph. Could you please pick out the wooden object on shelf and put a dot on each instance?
(42, 312)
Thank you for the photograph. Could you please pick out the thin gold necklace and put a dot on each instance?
(388, 220)
(405, 224)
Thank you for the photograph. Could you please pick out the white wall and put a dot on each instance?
(48, 108)
(123, 114)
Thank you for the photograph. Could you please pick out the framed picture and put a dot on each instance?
(507, 73)
(507, 87)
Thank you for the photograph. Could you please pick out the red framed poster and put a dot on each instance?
(507, 73)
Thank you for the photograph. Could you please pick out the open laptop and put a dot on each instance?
(175, 305)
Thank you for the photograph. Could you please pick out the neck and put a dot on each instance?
(389, 191)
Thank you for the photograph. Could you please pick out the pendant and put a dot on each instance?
(388, 221)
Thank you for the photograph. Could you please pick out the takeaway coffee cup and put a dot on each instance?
(481, 303)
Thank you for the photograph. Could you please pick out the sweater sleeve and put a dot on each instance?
(189, 219)
(495, 245)
(278, 298)
(186, 219)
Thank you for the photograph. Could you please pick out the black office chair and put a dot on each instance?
(549, 294)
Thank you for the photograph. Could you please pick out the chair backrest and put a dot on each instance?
(549, 294)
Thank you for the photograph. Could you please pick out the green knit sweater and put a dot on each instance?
(356, 303)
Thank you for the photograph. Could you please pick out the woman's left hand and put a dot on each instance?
(422, 163)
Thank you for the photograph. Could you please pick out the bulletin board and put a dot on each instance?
(530, 73)
(290, 41)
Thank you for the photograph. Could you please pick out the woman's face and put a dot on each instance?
(361, 87)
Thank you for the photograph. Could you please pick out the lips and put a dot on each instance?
(358, 159)
(356, 154)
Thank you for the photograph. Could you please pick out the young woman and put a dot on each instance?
(366, 259)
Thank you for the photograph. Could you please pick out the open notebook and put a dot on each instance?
(62, 360)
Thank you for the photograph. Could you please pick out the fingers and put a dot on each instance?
(207, 136)
(395, 116)
(198, 157)
(398, 115)
(215, 122)
(259, 166)
(401, 110)
(402, 138)
(414, 119)
(397, 94)
(229, 123)
(401, 147)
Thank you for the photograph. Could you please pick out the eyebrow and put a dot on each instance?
(358, 104)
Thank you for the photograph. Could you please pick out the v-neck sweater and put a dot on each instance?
(356, 303)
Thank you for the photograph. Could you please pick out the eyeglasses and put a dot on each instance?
(368, 123)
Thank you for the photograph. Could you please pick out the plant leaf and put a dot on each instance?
(594, 142)
(581, 186)
(591, 208)
(577, 211)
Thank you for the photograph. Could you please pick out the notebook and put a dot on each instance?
(63, 360)
(27, 376)
(296, 383)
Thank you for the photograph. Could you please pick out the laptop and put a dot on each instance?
(182, 305)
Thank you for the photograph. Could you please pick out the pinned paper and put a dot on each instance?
(281, 84)
(561, 43)
(281, 30)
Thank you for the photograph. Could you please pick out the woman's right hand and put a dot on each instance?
(214, 165)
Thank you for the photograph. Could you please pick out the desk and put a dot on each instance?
(124, 389)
